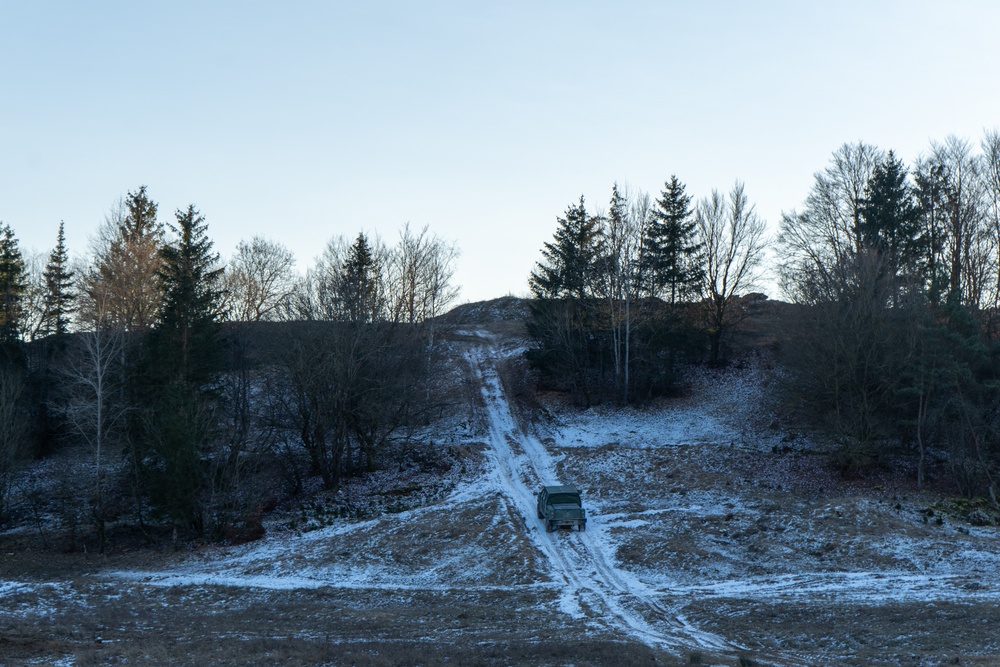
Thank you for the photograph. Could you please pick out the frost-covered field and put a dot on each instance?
(714, 534)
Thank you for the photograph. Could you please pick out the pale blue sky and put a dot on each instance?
(302, 120)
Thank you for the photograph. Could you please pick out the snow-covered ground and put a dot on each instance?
(708, 416)
(698, 519)
(580, 561)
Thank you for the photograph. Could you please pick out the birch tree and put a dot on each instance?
(620, 279)
(95, 406)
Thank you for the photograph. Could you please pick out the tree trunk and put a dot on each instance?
(715, 347)
(628, 339)
(921, 416)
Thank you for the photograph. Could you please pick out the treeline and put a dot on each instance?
(624, 296)
(899, 269)
(892, 345)
(194, 386)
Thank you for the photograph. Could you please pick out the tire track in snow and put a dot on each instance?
(579, 559)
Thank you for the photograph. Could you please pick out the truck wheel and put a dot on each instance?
(540, 515)
(583, 526)
(549, 527)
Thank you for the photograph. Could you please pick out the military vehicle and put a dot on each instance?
(560, 506)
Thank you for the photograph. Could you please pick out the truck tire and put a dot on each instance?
(549, 527)
(583, 526)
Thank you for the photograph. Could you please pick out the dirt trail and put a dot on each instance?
(581, 560)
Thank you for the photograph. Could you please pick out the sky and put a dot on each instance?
(301, 121)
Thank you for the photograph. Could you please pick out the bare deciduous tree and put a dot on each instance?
(432, 289)
(732, 238)
(258, 280)
(620, 281)
(827, 232)
(966, 244)
(421, 269)
(94, 405)
(344, 389)
(990, 176)
(33, 303)
(350, 371)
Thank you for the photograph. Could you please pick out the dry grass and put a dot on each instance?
(700, 513)
(222, 626)
(722, 512)
(834, 634)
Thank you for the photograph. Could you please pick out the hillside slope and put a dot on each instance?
(712, 533)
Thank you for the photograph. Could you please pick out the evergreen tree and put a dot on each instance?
(562, 319)
(932, 198)
(140, 221)
(359, 290)
(891, 218)
(13, 283)
(59, 295)
(128, 263)
(567, 268)
(182, 358)
(670, 247)
(190, 277)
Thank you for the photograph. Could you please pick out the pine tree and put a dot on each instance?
(930, 192)
(127, 267)
(59, 295)
(669, 245)
(890, 216)
(181, 361)
(562, 318)
(567, 268)
(359, 283)
(190, 276)
(13, 283)
(140, 222)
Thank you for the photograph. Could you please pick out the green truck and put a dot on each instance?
(560, 506)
